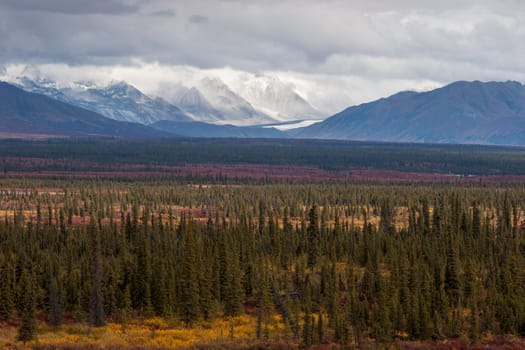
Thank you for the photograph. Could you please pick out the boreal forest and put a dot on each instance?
(150, 259)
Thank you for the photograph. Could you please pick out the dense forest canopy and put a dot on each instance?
(84, 154)
(339, 262)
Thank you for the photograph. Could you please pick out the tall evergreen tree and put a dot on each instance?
(6, 293)
(313, 236)
(190, 308)
(55, 304)
(28, 323)
(96, 307)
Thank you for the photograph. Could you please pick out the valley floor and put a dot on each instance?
(237, 333)
(288, 255)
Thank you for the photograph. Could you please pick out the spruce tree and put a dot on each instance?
(28, 323)
(190, 310)
(320, 328)
(452, 282)
(307, 329)
(97, 316)
(125, 309)
(55, 305)
(205, 288)
(6, 293)
(313, 236)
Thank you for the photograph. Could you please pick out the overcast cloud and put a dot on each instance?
(336, 53)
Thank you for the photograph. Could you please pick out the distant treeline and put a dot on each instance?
(330, 155)
(340, 262)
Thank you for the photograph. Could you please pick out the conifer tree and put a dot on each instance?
(307, 329)
(206, 302)
(6, 293)
(125, 308)
(452, 282)
(189, 279)
(97, 316)
(28, 323)
(320, 328)
(55, 305)
(313, 236)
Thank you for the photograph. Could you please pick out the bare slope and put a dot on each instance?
(462, 112)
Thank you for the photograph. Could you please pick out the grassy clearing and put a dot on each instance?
(153, 333)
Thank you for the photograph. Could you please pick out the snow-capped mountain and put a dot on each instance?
(28, 113)
(193, 103)
(274, 97)
(42, 86)
(210, 100)
(235, 109)
(119, 100)
(248, 100)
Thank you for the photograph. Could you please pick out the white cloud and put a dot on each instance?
(328, 93)
(335, 52)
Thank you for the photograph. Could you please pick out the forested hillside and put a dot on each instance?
(90, 154)
(311, 264)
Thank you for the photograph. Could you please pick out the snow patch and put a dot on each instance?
(294, 125)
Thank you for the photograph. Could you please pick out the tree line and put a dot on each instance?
(340, 262)
(90, 154)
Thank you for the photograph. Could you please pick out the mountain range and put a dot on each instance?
(25, 112)
(119, 100)
(209, 100)
(212, 101)
(275, 98)
(461, 112)
(249, 100)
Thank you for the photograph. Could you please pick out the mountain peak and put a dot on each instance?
(32, 113)
(213, 81)
(231, 107)
(461, 112)
(118, 100)
(84, 84)
(275, 97)
(464, 84)
(41, 82)
(119, 84)
(121, 88)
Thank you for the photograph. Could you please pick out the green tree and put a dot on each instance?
(55, 304)
(28, 323)
(6, 293)
(97, 316)
(313, 236)
(189, 279)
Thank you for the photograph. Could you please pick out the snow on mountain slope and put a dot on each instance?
(119, 100)
(247, 99)
(234, 109)
(274, 97)
(42, 86)
(193, 103)
(24, 112)
(294, 124)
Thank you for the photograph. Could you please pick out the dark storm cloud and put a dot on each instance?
(403, 39)
(65, 31)
(198, 19)
(113, 7)
(164, 13)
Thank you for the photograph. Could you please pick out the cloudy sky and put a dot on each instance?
(336, 53)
